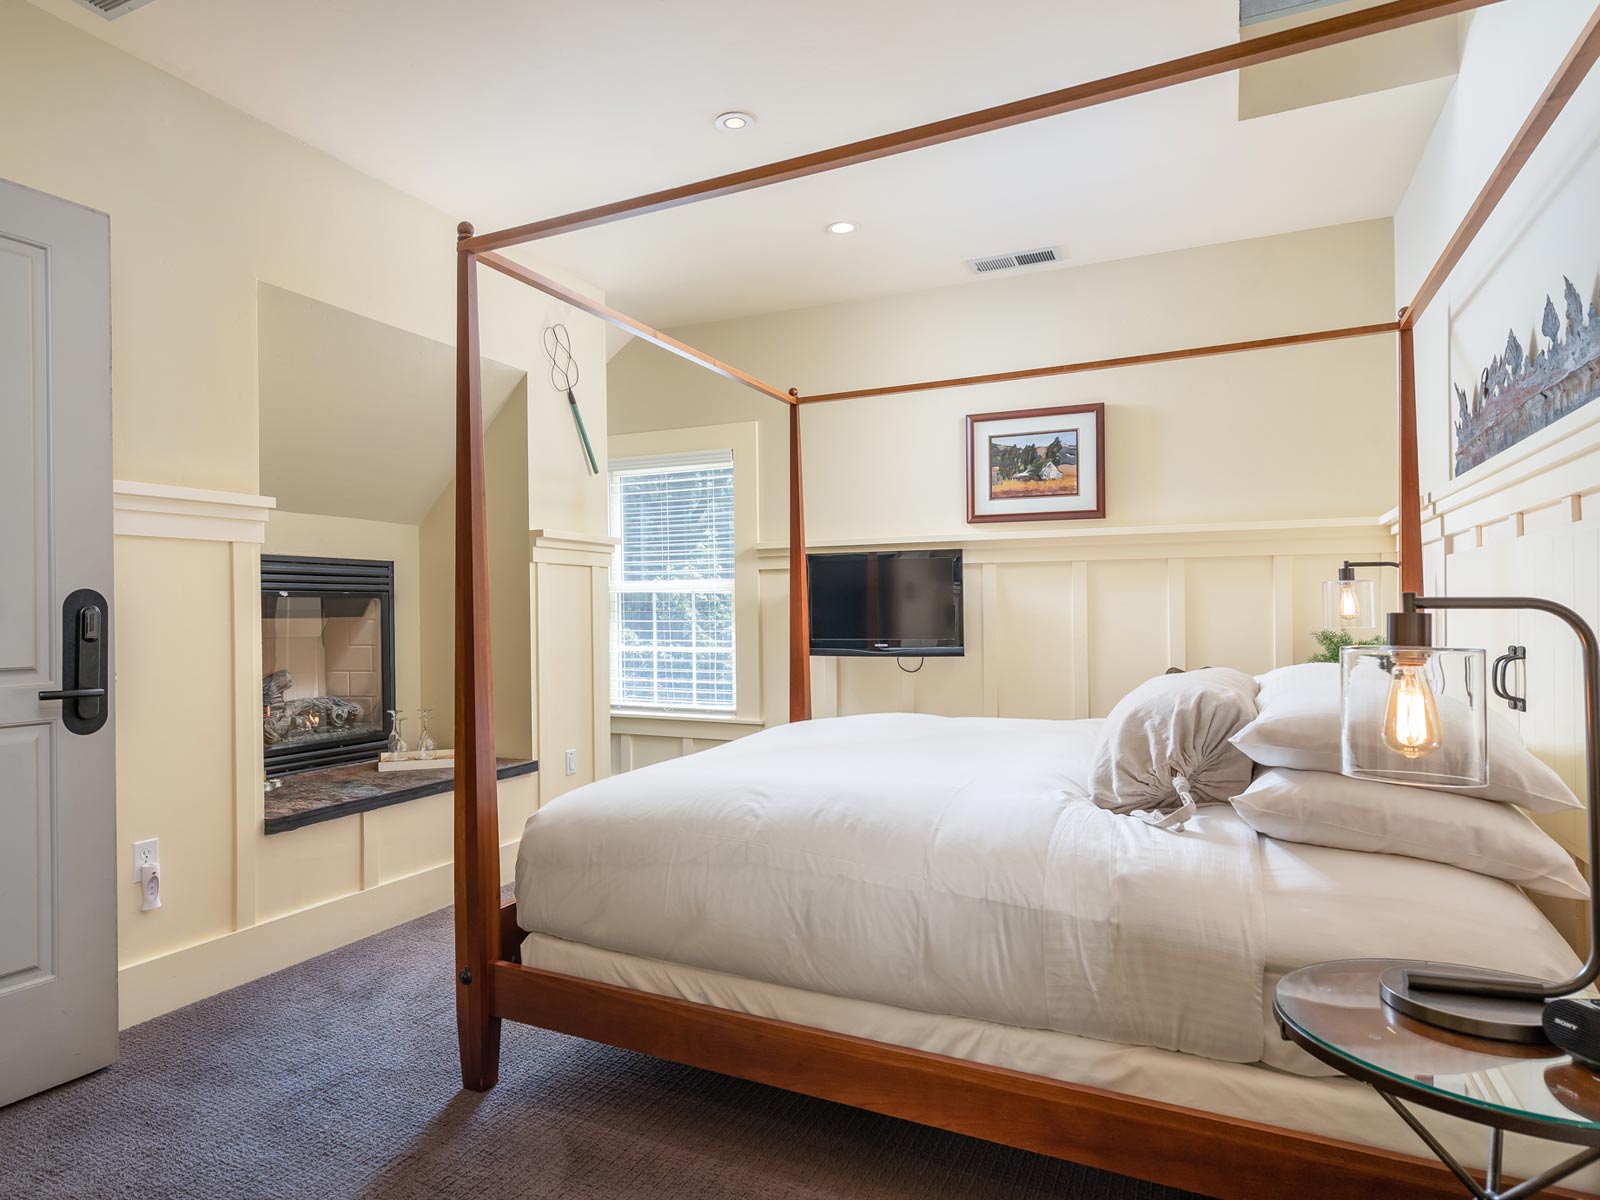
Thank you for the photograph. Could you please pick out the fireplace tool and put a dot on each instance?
(564, 378)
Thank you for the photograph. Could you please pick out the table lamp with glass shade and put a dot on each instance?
(1349, 603)
(1416, 714)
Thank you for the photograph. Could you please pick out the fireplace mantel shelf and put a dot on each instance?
(331, 792)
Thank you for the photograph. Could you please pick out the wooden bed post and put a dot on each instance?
(799, 606)
(1410, 488)
(477, 825)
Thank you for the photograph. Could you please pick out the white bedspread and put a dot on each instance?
(1156, 938)
(948, 865)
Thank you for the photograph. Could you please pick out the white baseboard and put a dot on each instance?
(159, 985)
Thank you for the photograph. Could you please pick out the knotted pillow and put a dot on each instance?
(1165, 747)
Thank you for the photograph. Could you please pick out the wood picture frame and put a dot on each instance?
(1081, 495)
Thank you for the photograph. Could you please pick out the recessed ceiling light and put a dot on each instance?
(735, 121)
(842, 227)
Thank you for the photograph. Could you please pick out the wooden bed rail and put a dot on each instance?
(1247, 52)
(1225, 1157)
(1107, 364)
(621, 320)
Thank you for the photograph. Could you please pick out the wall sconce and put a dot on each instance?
(1415, 714)
(1349, 603)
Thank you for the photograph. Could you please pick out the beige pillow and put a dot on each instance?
(1298, 727)
(1385, 818)
(1165, 747)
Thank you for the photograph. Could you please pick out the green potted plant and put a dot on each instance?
(1331, 641)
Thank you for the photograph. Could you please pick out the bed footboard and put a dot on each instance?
(1163, 1143)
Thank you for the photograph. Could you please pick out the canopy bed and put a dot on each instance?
(983, 1072)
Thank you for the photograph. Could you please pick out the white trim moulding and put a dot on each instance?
(159, 510)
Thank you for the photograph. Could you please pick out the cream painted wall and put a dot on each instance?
(1232, 487)
(206, 206)
(1540, 231)
(1526, 521)
(174, 625)
(1269, 423)
(547, 597)
(204, 202)
(358, 417)
(506, 500)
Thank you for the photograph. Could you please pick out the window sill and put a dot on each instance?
(704, 726)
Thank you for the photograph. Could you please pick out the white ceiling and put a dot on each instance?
(503, 111)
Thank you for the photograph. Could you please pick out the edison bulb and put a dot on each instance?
(1349, 605)
(1411, 716)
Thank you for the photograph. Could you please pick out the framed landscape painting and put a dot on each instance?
(1037, 464)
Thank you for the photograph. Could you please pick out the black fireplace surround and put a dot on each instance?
(327, 640)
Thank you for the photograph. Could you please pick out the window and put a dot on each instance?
(672, 628)
(1253, 12)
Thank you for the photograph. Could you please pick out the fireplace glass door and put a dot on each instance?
(327, 660)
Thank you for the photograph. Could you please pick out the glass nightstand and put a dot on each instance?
(1334, 1012)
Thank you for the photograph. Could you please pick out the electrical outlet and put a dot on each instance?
(572, 762)
(145, 854)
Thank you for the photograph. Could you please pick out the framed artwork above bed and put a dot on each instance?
(1037, 464)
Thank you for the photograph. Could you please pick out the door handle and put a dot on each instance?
(84, 663)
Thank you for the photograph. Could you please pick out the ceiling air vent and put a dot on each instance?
(1010, 262)
(112, 9)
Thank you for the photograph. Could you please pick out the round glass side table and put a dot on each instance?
(1334, 1011)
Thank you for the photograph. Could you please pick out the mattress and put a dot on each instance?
(915, 862)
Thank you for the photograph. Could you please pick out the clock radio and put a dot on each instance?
(1573, 1024)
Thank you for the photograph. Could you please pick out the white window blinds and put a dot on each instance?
(672, 582)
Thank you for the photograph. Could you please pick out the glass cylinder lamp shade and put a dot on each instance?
(1350, 605)
(1415, 715)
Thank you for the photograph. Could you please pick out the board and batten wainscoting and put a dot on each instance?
(571, 613)
(238, 904)
(1527, 522)
(1059, 626)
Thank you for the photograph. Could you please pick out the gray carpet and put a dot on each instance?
(338, 1078)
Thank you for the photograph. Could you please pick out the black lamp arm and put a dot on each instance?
(1590, 649)
(1347, 573)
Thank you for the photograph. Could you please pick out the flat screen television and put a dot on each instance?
(903, 603)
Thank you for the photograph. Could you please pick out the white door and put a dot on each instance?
(58, 921)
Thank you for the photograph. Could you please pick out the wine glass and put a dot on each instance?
(425, 746)
(397, 744)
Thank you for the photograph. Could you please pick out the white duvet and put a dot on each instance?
(957, 866)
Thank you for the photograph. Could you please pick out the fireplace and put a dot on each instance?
(327, 660)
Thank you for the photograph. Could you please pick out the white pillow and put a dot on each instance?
(1386, 818)
(1165, 745)
(1298, 727)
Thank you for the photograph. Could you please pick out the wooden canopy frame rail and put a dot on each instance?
(1180, 1147)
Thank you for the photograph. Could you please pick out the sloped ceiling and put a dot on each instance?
(357, 416)
(502, 111)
